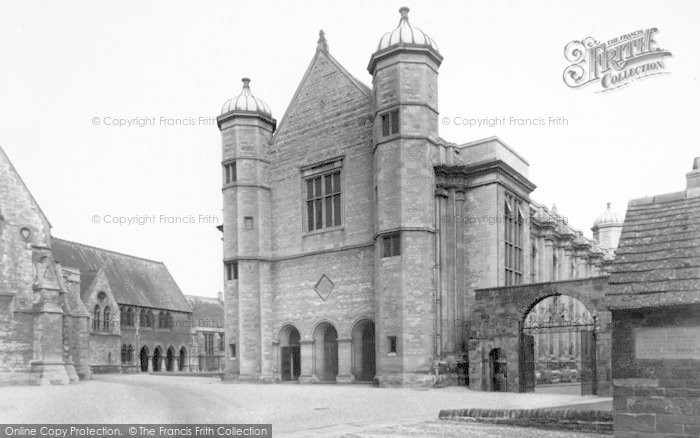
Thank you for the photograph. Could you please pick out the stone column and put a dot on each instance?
(150, 364)
(307, 360)
(345, 361)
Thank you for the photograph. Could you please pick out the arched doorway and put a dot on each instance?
(182, 359)
(498, 366)
(326, 352)
(363, 354)
(290, 353)
(143, 356)
(157, 355)
(558, 347)
(170, 359)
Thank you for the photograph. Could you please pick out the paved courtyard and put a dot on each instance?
(294, 410)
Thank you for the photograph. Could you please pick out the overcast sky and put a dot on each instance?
(67, 63)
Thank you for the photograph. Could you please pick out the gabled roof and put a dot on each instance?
(321, 52)
(658, 258)
(134, 281)
(207, 312)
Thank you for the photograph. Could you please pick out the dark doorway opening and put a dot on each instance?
(170, 359)
(290, 352)
(326, 352)
(499, 370)
(156, 359)
(364, 366)
(143, 356)
(181, 359)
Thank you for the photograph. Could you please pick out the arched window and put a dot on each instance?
(168, 321)
(96, 318)
(106, 320)
(142, 318)
(122, 321)
(149, 319)
(161, 320)
(125, 357)
(130, 354)
(130, 317)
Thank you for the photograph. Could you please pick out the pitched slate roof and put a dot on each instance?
(210, 311)
(658, 258)
(133, 280)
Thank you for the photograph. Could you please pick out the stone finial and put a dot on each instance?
(693, 177)
(404, 12)
(322, 43)
(246, 82)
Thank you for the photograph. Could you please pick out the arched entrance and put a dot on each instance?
(157, 355)
(498, 366)
(290, 353)
(363, 354)
(170, 359)
(181, 360)
(326, 352)
(143, 357)
(558, 347)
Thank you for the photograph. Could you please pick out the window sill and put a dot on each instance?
(323, 230)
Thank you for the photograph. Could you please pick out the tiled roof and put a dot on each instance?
(133, 280)
(208, 310)
(658, 258)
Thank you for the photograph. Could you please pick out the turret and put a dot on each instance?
(607, 229)
(246, 126)
(404, 69)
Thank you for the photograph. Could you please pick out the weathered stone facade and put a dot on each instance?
(69, 310)
(354, 237)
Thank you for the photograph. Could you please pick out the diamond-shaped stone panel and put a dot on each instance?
(324, 287)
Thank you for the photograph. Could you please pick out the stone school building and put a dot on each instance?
(68, 310)
(355, 237)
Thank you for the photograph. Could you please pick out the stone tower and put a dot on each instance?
(246, 126)
(404, 69)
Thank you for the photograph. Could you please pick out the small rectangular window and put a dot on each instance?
(230, 172)
(392, 344)
(248, 221)
(390, 123)
(231, 271)
(222, 343)
(232, 347)
(391, 245)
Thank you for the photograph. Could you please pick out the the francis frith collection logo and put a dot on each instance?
(614, 63)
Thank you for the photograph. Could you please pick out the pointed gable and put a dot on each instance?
(17, 205)
(327, 96)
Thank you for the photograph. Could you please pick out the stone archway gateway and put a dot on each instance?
(557, 347)
(501, 320)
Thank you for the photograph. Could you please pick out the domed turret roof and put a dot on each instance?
(246, 102)
(608, 217)
(405, 34)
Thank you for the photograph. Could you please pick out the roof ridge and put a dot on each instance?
(107, 250)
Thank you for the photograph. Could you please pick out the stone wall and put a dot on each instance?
(654, 396)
